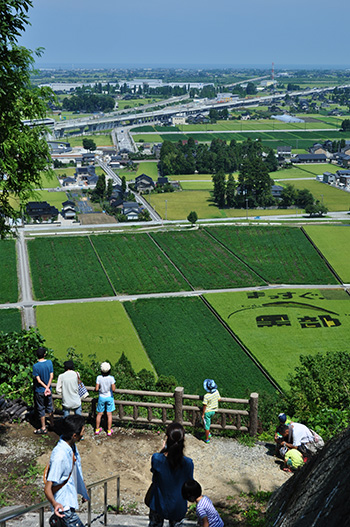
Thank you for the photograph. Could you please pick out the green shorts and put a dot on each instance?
(207, 420)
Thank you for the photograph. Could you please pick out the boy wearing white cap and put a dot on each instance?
(105, 385)
(210, 405)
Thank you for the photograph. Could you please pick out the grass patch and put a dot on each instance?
(149, 138)
(66, 267)
(197, 185)
(148, 168)
(100, 327)
(49, 182)
(278, 347)
(204, 262)
(184, 339)
(133, 274)
(8, 286)
(10, 320)
(281, 255)
(334, 243)
(53, 198)
(335, 199)
(100, 140)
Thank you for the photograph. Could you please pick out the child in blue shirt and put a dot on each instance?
(208, 516)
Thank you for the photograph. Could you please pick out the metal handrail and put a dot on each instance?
(20, 511)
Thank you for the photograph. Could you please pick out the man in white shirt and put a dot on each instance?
(67, 385)
(297, 435)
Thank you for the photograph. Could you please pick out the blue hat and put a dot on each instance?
(210, 385)
(282, 418)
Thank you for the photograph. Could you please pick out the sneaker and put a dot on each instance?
(209, 435)
(109, 432)
(207, 441)
(97, 431)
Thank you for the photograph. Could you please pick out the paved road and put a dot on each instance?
(25, 282)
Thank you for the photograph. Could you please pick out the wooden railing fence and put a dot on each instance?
(233, 414)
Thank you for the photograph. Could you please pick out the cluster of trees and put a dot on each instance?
(89, 144)
(341, 96)
(215, 114)
(102, 189)
(303, 199)
(188, 158)
(88, 102)
(24, 152)
(345, 125)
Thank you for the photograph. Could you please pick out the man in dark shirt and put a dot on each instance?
(43, 375)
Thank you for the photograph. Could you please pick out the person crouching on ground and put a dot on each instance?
(210, 405)
(105, 385)
(64, 480)
(208, 516)
(293, 460)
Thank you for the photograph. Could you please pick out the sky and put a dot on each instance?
(189, 32)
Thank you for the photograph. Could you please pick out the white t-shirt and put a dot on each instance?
(105, 384)
(301, 434)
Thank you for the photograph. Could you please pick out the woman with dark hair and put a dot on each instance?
(170, 470)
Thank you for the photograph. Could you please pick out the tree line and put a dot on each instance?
(88, 102)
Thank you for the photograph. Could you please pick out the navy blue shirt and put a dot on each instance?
(43, 370)
(166, 498)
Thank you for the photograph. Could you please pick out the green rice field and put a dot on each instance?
(66, 267)
(334, 243)
(204, 262)
(10, 320)
(53, 198)
(335, 199)
(102, 328)
(8, 266)
(197, 185)
(277, 326)
(134, 264)
(303, 171)
(183, 338)
(280, 255)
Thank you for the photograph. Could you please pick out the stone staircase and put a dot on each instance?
(113, 520)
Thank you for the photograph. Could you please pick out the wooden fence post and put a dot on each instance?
(178, 395)
(253, 414)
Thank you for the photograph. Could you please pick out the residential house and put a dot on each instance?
(91, 180)
(68, 181)
(144, 183)
(179, 118)
(156, 150)
(131, 209)
(285, 151)
(41, 211)
(341, 159)
(276, 191)
(329, 178)
(343, 179)
(84, 172)
(317, 148)
(162, 181)
(310, 158)
(68, 210)
(88, 158)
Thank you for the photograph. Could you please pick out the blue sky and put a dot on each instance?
(163, 32)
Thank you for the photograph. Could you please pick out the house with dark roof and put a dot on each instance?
(41, 211)
(162, 181)
(284, 150)
(69, 212)
(342, 159)
(68, 203)
(310, 158)
(343, 179)
(144, 183)
(329, 178)
(276, 191)
(88, 158)
(131, 209)
(317, 148)
(83, 172)
(68, 181)
(91, 180)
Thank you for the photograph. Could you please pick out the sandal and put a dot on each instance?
(40, 431)
(286, 469)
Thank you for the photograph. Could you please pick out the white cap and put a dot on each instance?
(105, 367)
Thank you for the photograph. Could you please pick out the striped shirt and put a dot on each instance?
(211, 400)
(205, 509)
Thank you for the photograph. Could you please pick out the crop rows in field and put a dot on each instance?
(183, 338)
(66, 267)
(204, 262)
(8, 287)
(10, 320)
(134, 264)
(282, 255)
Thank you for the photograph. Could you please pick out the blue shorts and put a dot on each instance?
(105, 403)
